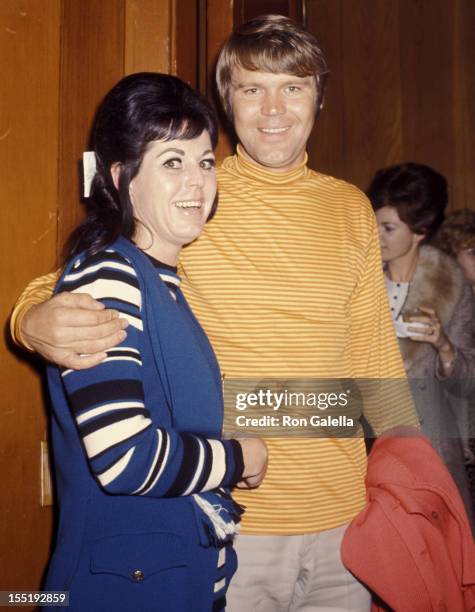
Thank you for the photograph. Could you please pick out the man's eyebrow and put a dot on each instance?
(296, 80)
(292, 80)
(246, 84)
(171, 149)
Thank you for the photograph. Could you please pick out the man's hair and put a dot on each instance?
(457, 232)
(270, 43)
(417, 192)
(138, 110)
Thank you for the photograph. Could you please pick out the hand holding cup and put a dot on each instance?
(424, 326)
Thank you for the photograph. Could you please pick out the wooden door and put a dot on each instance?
(59, 58)
(29, 138)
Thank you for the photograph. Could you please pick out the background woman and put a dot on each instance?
(144, 522)
(427, 288)
(456, 237)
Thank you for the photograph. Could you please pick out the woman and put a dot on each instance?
(431, 305)
(144, 521)
(457, 238)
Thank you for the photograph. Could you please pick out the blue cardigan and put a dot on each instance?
(126, 552)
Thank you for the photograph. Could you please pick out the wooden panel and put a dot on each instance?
(402, 87)
(326, 144)
(463, 84)
(220, 16)
(185, 44)
(426, 36)
(162, 36)
(29, 48)
(147, 40)
(54, 85)
(371, 88)
(248, 9)
(92, 60)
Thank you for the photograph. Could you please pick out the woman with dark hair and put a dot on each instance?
(431, 304)
(145, 517)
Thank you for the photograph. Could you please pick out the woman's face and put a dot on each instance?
(397, 240)
(172, 195)
(466, 260)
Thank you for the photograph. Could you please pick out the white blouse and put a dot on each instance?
(397, 295)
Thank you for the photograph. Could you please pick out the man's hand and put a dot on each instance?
(254, 452)
(72, 330)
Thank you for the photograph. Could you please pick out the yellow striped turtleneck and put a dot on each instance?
(287, 282)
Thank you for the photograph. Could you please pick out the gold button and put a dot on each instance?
(137, 575)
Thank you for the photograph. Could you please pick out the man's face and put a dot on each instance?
(466, 260)
(273, 116)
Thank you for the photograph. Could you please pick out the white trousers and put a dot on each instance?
(296, 573)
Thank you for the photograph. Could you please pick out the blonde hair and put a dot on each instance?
(270, 43)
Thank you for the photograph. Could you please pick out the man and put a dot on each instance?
(287, 282)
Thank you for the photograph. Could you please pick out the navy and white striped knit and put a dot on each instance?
(127, 454)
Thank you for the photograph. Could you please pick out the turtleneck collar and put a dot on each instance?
(254, 172)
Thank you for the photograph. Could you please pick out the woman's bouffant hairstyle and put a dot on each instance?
(138, 110)
(457, 232)
(270, 43)
(418, 193)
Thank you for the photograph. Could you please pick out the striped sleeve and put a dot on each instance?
(127, 452)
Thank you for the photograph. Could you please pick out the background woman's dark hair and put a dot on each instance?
(418, 193)
(139, 109)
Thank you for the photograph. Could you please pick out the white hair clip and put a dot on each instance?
(89, 170)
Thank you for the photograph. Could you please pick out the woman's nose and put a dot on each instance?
(194, 176)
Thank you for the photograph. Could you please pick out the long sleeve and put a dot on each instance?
(460, 331)
(38, 290)
(127, 452)
(376, 360)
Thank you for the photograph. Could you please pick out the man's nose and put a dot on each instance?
(273, 103)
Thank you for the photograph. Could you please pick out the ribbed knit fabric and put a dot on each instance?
(126, 450)
(287, 282)
(38, 290)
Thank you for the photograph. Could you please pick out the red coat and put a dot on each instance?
(412, 544)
